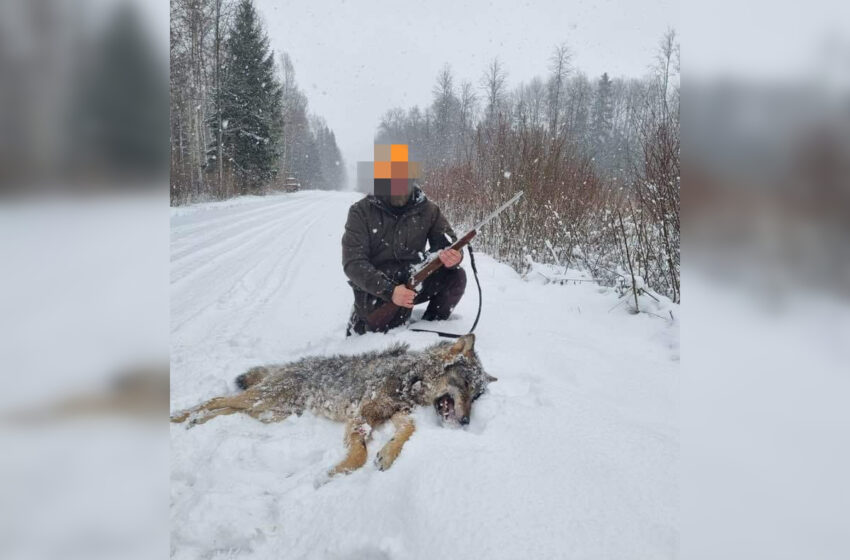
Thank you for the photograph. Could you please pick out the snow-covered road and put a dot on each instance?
(572, 454)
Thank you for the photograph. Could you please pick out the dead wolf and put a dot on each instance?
(364, 391)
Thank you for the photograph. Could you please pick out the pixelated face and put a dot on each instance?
(393, 173)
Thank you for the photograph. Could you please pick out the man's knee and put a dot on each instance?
(456, 280)
(359, 324)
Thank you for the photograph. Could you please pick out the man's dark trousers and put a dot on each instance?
(442, 290)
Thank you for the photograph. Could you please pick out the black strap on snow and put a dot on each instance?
(480, 302)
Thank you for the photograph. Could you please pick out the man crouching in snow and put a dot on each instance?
(385, 234)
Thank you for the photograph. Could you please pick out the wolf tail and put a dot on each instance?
(251, 377)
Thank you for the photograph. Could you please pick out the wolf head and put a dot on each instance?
(459, 382)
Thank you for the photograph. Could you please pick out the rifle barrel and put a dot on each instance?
(498, 211)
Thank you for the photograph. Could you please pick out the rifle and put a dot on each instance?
(385, 313)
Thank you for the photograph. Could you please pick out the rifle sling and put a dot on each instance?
(480, 302)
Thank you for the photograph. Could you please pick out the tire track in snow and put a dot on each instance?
(244, 257)
(211, 219)
(281, 270)
(214, 236)
(180, 243)
(222, 243)
(247, 246)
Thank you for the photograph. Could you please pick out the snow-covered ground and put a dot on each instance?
(572, 454)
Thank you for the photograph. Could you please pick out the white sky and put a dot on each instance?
(356, 59)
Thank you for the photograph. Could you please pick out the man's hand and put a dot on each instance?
(450, 257)
(403, 297)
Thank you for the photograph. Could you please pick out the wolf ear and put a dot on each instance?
(464, 345)
(491, 379)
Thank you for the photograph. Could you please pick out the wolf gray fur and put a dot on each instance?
(364, 390)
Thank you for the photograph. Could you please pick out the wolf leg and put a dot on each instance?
(180, 416)
(266, 415)
(356, 434)
(404, 428)
(212, 408)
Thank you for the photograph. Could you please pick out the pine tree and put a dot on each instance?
(335, 168)
(250, 97)
(332, 171)
(579, 107)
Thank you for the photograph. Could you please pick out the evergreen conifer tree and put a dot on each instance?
(251, 104)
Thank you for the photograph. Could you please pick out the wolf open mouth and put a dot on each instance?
(445, 406)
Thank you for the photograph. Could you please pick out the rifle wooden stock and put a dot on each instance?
(385, 313)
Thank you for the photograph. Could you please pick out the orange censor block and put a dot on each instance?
(398, 152)
(383, 170)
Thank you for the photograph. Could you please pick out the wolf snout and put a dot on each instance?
(445, 406)
(464, 421)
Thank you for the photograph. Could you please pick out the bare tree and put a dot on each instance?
(218, 23)
(466, 116)
(493, 82)
(559, 70)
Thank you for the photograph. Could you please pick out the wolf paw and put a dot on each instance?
(193, 420)
(385, 459)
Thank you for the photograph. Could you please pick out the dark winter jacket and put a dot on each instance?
(381, 242)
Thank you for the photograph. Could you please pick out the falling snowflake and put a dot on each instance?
(507, 174)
